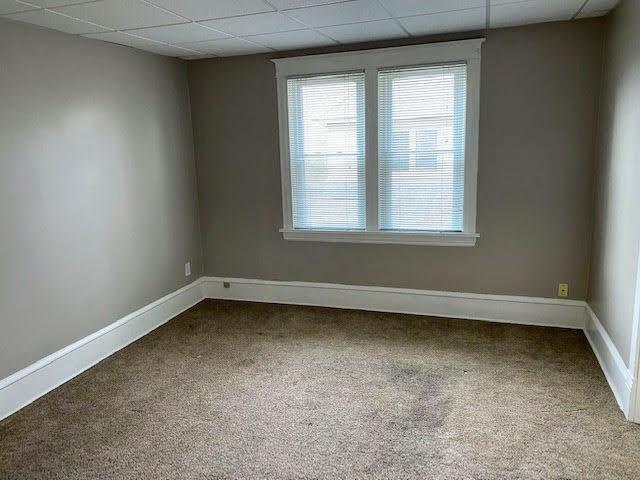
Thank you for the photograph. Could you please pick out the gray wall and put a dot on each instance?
(97, 187)
(616, 237)
(538, 110)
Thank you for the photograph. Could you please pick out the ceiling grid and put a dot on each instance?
(207, 28)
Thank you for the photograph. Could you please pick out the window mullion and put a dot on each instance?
(371, 160)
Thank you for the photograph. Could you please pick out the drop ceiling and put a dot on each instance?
(193, 29)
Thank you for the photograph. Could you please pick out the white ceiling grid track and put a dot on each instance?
(193, 29)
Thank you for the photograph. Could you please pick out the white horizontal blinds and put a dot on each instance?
(326, 139)
(421, 137)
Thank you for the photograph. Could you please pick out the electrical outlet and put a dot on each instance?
(187, 269)
(563, 289)
(226, 284)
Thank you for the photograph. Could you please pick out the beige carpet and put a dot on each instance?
(234, 390)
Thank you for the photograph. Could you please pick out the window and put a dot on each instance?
(326, 136)
(380, 146)
(421, 181)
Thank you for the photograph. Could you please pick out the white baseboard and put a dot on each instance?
(615, 370)
(30, 383)
(495, 308)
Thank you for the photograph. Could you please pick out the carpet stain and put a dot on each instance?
(427, 405)
(233, 390)
(247, 362)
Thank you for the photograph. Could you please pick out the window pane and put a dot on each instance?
(421, 147)
(326, 141)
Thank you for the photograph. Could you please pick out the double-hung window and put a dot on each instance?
(380, 146)
(326, 155)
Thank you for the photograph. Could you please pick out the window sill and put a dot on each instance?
(441, 239)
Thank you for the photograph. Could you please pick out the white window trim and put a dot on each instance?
(370, 61)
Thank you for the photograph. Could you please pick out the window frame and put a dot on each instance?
(370, 62)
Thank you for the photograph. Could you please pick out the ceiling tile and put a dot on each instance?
(285, 4)
(11, 6)
(207, 9)
(54, 3)
(599, 6)
(292, 40)
(122, 38)
(169, 50)
(49, 19)
(182, 33)
(133, 41)
(470, 19)
(269, 22)
(597, 13)
(532, 11)
(198, 56)
(227, 47)
(404, 8)
(121, 14)
(363, 32)
(340, 13)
